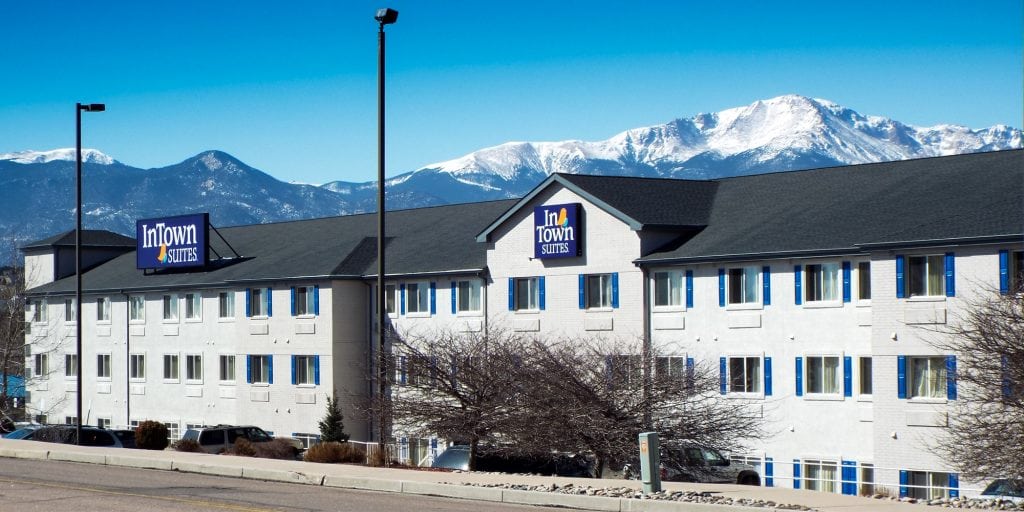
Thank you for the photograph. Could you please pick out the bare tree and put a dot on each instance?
(985, 438)
(12, 336)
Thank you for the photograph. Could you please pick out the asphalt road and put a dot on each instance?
(49, 486)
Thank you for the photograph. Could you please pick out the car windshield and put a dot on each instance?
(1005, 487)
(257, 435)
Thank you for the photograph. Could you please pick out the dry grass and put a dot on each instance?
(332, 453)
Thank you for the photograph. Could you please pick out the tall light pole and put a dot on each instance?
(79, 108)
(384, 16)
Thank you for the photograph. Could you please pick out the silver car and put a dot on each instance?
(691, 463)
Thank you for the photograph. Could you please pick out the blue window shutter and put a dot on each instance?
(454, 305)
(270, 368)
(796, 473)
(433, 298)
(721, 375)
(950, 275)
(316, 300)
(769, 472)
(511, 294)
(689, 289)
(847, 376)
(767, 376)
(583, 291)
(293, 300)
(689, 373)
(721, 287)
(401, 294)
(615, 289)
(541, 286)
(316, 370)
(901, 376)
(951, 377)
(270, 302)
(798, 285)
(954, 485)
(900, 263)
(849, 478)
(1004, 271)
(248, 302)
(846, 281)
(766, 285)
(1007, 383)
(402, 372)
(248, 369)
(799, 376)
(904, 480)
(295, 377)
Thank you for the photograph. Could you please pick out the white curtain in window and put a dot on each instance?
(830, 375)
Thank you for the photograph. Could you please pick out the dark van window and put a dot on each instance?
(211, 437)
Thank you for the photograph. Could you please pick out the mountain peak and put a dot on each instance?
(90, 156)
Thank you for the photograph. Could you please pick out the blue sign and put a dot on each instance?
(172, 242)
(556, 231)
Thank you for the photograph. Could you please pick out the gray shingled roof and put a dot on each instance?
(90, 237)
(652, 202)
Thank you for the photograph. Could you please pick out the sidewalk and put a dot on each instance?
(439, 483)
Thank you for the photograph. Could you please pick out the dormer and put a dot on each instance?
(53, 258)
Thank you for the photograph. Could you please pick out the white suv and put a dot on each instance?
(219, 438)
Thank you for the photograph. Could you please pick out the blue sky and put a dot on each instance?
(290, 87)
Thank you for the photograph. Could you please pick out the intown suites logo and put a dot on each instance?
(171, 241)
(556, 231)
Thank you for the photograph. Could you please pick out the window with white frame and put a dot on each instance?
(927, 485)
(173, 433)
(927, 377)
(823, 375)
(867, 479)
(193, 368)
(820, 475)
(226, 304)
(193, 306)
(926, 276)
(227, 368)
(137, 367)
(822, 282)
(258, 302)
(743, 285)
(668, 288)
(103, 366)
(417, 298)
(39, 311)
(102, 309)
(71, 365)
(259, 366)
(527, 293)
(103, 422)
(744, 374)
(137, 308)
(390, 303)
(171, 367)
(40, 365)
(864, 378)
(598, 291)
(864, 280)
(305, 300)
(70, 311)
(306, 439)
(468, 296)
(670, 367)
(624, 370)
(70, 420)
(1016, 269)
(170, 307)
(305, 370)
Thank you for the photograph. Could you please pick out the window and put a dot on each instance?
(927, 485)
(598, 291)
(103, 422)
(625, 370)
(1016, 268)
(39, 311)
(40, 366)
(171, 307)
(102, 309)
(867, 479)
(305, 370)
(194, 368)
(527, 293)
(743, 285)
(390, 291)
(864, 280)
(103, 366)
(70, 311)
(173, 434)
(468, 296)
(820, 475)
(71, 365)
(306, 439)
(305, 300)
(227, 368)
(670, 367)
(137, 308)
(193, 306)
(137, 367)
(744, 374)
(259, 302)
(226, 304)
(668, 288)
(823, 376)
(864, 376)
(822, 282)
(171, 367)
(259, 367)
(926, 276)
(70, 420)
(418, 298)
(927, 377)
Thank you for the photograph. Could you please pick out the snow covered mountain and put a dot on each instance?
(91, 156)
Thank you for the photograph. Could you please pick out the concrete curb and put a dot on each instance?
(363, 484)
(139, 462)
(453, 491)
(277, 475)
(207, 469)
(554, 499)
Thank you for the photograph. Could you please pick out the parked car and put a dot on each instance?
(1011, 489)
(23, 432)
(457, 457)
(219, 438)
(691, 463)
(91, 436)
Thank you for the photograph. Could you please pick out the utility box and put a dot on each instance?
(650, 462)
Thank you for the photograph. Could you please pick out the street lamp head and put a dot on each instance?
(386, 16)
(93, 107)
